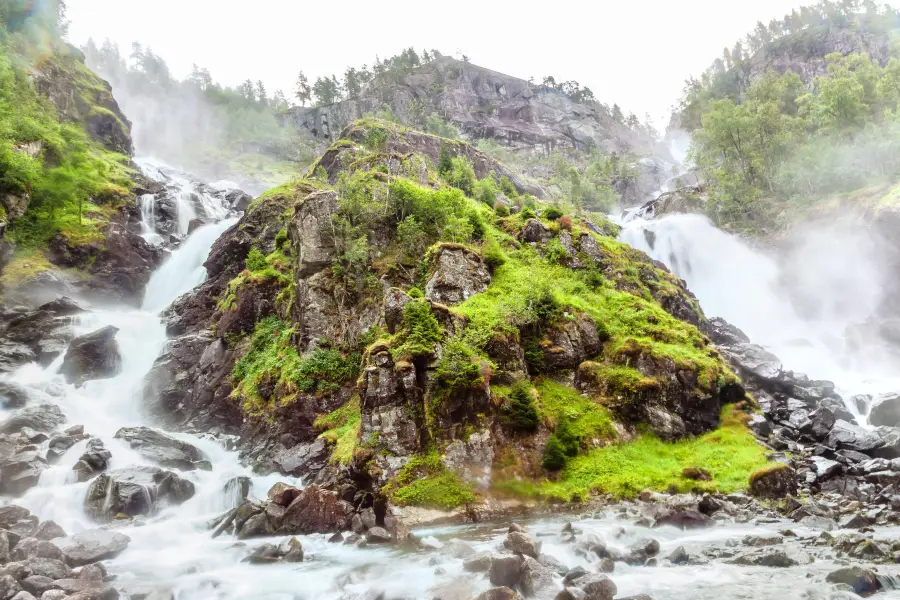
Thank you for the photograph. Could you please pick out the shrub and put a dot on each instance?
(255, 260)
(501, 209)
(551, 213)
(565, 223)
(493, 255)
(485, 191)
(419, 331)
(445, 160)
(507, 187)
(411, 236)
(415, 292)
(459, 369)
(527, 213)
(461, 175)
(561, 446)
(520, 412)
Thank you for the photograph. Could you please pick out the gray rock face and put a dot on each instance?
(95, 460)
(307, 231)
(863, 581)
(134, 491)
(161, 448)
(506, 570)
(885, 410)
(92, 356)
(459, 274)
(91, 546)
(42, 417)
(38, 335)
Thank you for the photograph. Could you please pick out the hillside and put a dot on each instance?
(524, 123)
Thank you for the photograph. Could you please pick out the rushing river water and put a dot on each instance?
(173, 551)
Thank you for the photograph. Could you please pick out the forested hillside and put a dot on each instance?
(809, 110)
(215, 131)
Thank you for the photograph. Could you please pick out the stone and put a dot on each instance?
(134, 491)
(536, 579)
(95, 460)
(263, 554)
(378, 535)
(23, 595)
(697, 474)
(38, 584)
(825, 468)
(42, 417)
(597, 587)
(642, 550)
(885, 410)
(773, 482)
(767, 558)
(458, 549)
(845, 435)
(506, 570)
(479, 563)
(459, 273)
(759, 541)
(21, 472)
(92, 546)
(49, 530)
(9, 587)
(47, 567)
(853, 522)
(163, 449)
(682, 519)
(33, 548)
(862, 581)
(283, 494)
(316, 510)
(679, 556)
(498, 593)
(92, 356)
(520, 543)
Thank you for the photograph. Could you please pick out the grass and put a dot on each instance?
(273, 364)
(586, 419)
(340, 429)
(729, 453)
(24, 266)
(424, 481)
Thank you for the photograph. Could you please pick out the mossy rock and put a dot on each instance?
(773, 482)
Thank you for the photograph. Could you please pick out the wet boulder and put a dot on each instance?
(316, 510)
(94, 460)
(92, 356)
(39, 335)
(773, 482)
(506, 570)
(885, 410)
(596, 587)
(498, 593)
(41, 417)
(13, 395)
(459, 273)
(91, 546)
(161, 448)
(134, 491)
(847, 436)
(520, 543)
(682, 518)
(536, 579)
(863, 581)
(21, 472)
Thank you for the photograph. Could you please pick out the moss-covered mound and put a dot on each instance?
(447, 341)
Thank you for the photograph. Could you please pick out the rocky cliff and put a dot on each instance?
(376, 330)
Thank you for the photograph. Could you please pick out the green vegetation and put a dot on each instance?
(459, 368)
(424, 481)
(54, 163)
(273, 369)
(340, 428)
(771, 150)
(729, 453)
(520, 410)
(419, 332)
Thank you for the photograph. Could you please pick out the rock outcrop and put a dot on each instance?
(92, 356)
(134, 491)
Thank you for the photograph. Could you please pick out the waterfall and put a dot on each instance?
(800, 306)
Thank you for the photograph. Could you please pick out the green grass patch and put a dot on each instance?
(729, 453)
(587, 420)
(340, 429)
(424, 481)
(272, 373)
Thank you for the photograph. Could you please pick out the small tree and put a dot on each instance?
(303, 91)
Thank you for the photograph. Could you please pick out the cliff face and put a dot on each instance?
(486, 104)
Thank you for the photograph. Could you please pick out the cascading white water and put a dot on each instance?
(835, 274)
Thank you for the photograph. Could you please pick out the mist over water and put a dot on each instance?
(803, 304)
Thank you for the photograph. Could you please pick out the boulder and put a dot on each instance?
(9, 587)
(41, 417)
(21, 472)
(847, 436)
(30, 548)
(863, 581)
(773, 482)
(497, 593)
(39, 335)
(536, 579)
(766, 558)
(316, 510)
(161, 448)
(597, 587)
(459, 273)
(134, 491)
(13, 395)
(91, 546)
(885, 410)
(535, 232)
(506, 570)
(94, 460)
(92, 356)
(521, 543)
(682, 518)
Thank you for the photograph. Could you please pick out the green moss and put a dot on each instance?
(730, 454)
(588, 421)
(25, 265)
(772, 467)
(424, 481)
(273, 363)
(340, 428)
(419, 332)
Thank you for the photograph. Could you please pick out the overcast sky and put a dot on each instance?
(637, 53)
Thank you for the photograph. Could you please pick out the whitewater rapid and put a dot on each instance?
(836, 276)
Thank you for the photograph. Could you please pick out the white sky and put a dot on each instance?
(634, 52)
